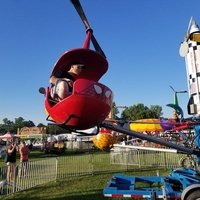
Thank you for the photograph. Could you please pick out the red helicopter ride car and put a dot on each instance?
(90, 101)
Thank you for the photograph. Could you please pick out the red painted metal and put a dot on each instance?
(95, 64)
(91, 101)
(86, 107)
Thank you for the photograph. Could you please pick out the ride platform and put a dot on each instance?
(181, 183)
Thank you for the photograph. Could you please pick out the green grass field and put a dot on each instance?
(74, 188)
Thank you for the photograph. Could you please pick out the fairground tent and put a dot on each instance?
(7, 136)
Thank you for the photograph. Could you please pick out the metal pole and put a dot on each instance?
(150, 138)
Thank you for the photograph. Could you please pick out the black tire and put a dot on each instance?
(195, 195)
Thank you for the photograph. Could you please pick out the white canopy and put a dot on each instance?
(7, 136)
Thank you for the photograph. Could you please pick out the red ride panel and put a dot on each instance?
(96, 64)
(87, 105)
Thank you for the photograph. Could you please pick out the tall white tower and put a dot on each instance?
(190, 49)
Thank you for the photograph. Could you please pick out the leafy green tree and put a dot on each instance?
(115, 111)
(55, 130)
(140, 111)
(156, 111)
(41, 125)
(6, 121)
(11, 126)
(28, 123)
(7, 125)
(19, 122)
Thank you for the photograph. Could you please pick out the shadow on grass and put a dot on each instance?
(96, 194)
(36, 194)
(36, 154)
(74, 188)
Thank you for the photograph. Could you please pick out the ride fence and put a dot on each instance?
(28, 175)
(35, 173)
(151, 157)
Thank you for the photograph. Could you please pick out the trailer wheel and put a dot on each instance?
(192, 192)
(195, 195)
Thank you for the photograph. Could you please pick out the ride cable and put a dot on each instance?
(83, 17)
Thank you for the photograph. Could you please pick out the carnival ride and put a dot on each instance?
(181, 183)
(88, 95)
(76, 112)
(175, 104)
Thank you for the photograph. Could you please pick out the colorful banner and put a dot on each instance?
(31, 132)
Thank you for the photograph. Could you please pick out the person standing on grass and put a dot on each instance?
(24, 155)
(11, 153)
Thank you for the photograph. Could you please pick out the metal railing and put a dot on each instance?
(43, 171)
(145, 158)
(28, 175)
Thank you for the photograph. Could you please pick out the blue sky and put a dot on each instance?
(140, 39)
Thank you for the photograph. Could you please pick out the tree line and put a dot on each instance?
(131, 113)
(20, 122)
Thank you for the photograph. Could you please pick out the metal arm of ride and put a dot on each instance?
(180, 148)
(79, 9)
